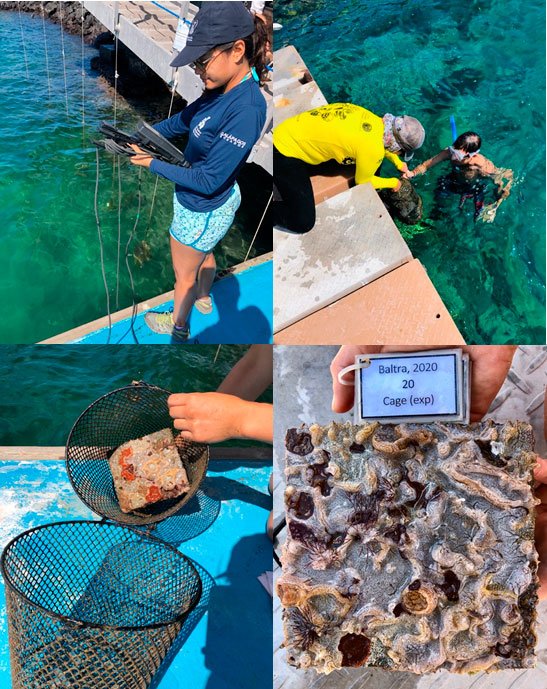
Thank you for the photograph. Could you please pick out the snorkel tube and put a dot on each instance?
(453, 128)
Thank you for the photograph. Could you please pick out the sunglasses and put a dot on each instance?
(205, 61)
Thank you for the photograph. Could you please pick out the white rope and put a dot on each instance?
(134, 308)
(258, 227)
(83, 75)
(23, 42)
(342, 374)
(216, 355)
(63, 53)
(45, 50)
(173, 89)
(365, 363)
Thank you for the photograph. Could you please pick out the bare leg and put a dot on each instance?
(206, 276)
(186, 264)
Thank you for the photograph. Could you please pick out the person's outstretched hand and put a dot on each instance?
(210, 417)
(490, 365)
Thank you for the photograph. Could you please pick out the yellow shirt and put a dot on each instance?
(344, 132)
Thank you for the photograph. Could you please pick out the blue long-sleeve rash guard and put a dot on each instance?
(222, 128)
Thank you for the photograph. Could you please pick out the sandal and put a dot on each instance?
(204, 304)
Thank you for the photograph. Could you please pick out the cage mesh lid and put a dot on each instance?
(117, 417)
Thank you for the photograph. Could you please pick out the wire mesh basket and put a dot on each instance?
(125, 414)
(93, 605)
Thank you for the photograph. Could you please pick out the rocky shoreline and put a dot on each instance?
(136, 81)
(71, 16)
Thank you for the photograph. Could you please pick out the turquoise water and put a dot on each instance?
(50, 276)
(43, 389)
(484, 62)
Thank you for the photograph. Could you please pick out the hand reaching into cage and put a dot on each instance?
(231, 412)
(210, 417)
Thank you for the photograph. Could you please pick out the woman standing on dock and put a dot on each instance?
(227, 48)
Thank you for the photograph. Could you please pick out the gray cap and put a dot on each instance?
(408, 132)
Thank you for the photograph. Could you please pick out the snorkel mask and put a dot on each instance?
(458, 155)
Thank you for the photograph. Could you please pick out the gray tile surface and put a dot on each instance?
(354, 241)
(293, 94)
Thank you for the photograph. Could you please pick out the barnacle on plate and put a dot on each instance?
(298, 442)
(302, 630)
(420, 599)
(300, 504)
(355, 649)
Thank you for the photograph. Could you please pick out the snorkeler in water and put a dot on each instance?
(469, 175)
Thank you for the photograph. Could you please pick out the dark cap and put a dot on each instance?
(215, 23)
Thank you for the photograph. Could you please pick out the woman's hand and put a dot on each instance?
(142, 159)
(210, 417)
(409, 174)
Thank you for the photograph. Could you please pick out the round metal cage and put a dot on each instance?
(93, 605)
(122, 415)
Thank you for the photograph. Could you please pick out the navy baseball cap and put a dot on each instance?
(215, 23)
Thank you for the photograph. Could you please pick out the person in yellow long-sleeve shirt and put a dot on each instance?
(343, 132)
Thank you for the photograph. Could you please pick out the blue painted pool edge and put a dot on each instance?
(242, 314)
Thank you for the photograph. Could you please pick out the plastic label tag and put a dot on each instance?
(413, 386)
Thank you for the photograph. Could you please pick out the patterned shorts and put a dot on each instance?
(203, 231)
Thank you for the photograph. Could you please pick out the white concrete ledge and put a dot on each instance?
(354, 242)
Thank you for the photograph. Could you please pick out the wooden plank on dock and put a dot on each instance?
(400, 307)
(27, 453)
(330, 179)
